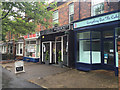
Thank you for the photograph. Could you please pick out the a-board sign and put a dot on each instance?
(19, 66)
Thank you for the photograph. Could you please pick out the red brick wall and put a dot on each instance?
(63, 11)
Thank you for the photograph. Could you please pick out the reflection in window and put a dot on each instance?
(84, 35)
(96, 34)
(108, 34)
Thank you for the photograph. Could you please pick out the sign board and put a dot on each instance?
(98, 20)
(105, 61)
(19, 66)
(55, 29)
(106, 56)
(37, 34)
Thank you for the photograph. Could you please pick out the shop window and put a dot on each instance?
(30, 49)
(96, 34)
(71, 12)
(58, 38)
(84, 35)
(84, 51)
(117, 32)
(55, 17)
(108, 34)
(19, 49)
(32, 42)
(96, 51)
(97, 7)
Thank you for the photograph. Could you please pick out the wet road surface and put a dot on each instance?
(9, 80)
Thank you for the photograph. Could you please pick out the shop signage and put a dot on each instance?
(55, 29)
(19, 67)
(32, 35)
(98, 20)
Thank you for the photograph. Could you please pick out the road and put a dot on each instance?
(9, 80)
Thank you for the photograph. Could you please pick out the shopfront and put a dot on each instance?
(32, 48)
(56, 43)
(96, 42)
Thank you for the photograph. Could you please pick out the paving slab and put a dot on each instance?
(49, 76)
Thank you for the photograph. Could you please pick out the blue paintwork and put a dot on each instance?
(30, 59)
(100, 27)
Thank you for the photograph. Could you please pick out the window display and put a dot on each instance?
(32, 48)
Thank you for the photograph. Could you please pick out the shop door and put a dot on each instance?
(45, 50)
(65, 51)
(108, 52)
(58, 49)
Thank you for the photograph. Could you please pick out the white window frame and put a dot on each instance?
(96, 3)
(71, 13)
(56, 14)
(19, 49)
(4, 49)
(29, 44)
(9, 48)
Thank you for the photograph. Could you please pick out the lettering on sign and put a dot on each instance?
(98, 20)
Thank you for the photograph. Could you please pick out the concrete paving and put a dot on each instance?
(49, 76)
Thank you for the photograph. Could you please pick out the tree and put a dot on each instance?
(14, 21)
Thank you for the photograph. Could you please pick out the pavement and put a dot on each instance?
(49, 76)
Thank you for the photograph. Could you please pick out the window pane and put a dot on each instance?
(17, 47)
(117, 32)
(11, 49)
(96, 34)
(96, 51)
(21, 48)
(84, 35)
(32, 42)
(71, 9)
(55, 15)
(108, 34)
(71, 17)
(84, 51)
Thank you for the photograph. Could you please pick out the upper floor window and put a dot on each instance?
(97, 7)
(71, 12)
(55, 17)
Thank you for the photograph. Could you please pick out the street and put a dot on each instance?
(9, 80)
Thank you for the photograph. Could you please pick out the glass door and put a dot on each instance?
(108, 51)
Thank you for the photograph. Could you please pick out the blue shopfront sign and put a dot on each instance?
(98, 20)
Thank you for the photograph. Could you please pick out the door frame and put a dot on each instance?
(50, 42)
(61, 48)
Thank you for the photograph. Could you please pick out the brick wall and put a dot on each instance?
(63, 11)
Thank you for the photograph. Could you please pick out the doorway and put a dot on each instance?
(48, 48)
(108, 52)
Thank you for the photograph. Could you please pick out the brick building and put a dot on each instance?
(60, 35)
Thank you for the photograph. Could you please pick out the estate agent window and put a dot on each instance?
(97, 7)
(19, 49)
(71, 12)
(55, 17)
(32, 48)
